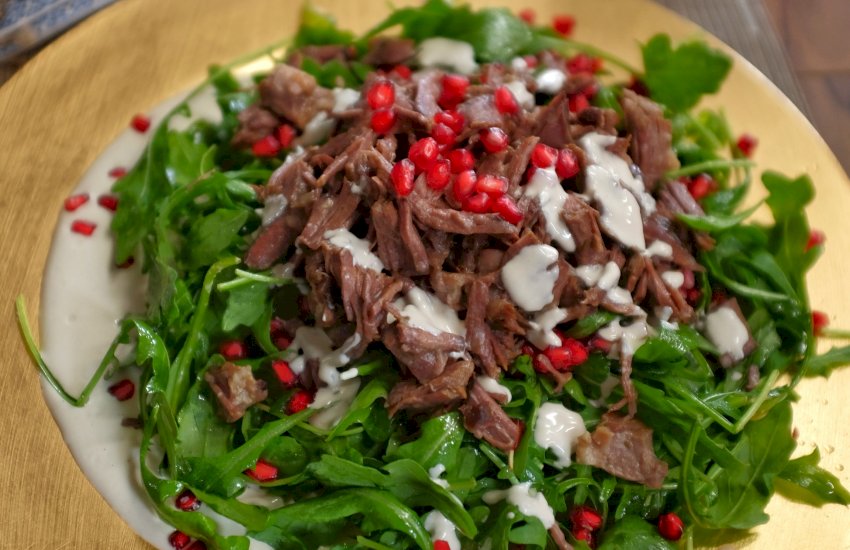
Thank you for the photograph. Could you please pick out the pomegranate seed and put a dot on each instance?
(583, 63)
(439, 175)
(83, 227)
(671, 526)
(567, 164)
(442, 134)
(543, 156)
(110, 202)
(126, 263)
(505, 101)
(277, 333)
(403, 71)
(140, 123)
(494, 139)
(585, 517)
(693, 295)
(187, 501)
(268, 146)
(505, 207)
(820, 321)
(284, 373)
(402, 175)
(299, 401)
(563, 24)
(531, 61)
(233, 350)
(478, 203)
(179, 540)
(75, 201)
(492, 185)
(197, 545)
(527, 15)
(568, 355)
(638, 86)
(601, 344)
(816, 238)
(423, 153)
(701, 186)
(381, 95)
(383, 121)
(584, 534)
(461, 160)
(262, 471)
(578, 103)
(464, 185)
(122, 390)
(451, 118)
(118, 172)
(747, 144)
(285, 134)
(454, 90)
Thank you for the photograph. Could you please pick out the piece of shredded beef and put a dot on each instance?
(389, 51)
(294, 95)
(441, 392)
(484, 417)
(255, 123)
(235, 388)
(652, 137)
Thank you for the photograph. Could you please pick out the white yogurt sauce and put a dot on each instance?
(344, 98)
(530, 276)
(273, 208)
(541, 332)
(545, 186)
(630, 337)
(550, 81)
(425, 311)
(606, 278)
(557, 428)
(519, 65)
(360, 249)
(659, 248)
(448, 54)
(727, 332)
(589, 274)
(441, 529)
(674, 279)
(491, 385)
(521, 94)
(334, 402)
(317, 130)
(527, 500)
(435, 474)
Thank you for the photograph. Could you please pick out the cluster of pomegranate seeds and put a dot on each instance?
(453, 91)
(747, 144)
(441, 545)
(569, 354)
(179, 540)
(584, 521)
(262, 471)
(563, 24)
(284, 373)
(122, 390)
(816, 238)
(285, 133)
(527, 15)
(187, 501)
(700, 186)
(505, 101)
(820, 321)
(583, 63)
(494, 139)
(83, 227)
(403, 177)
(299, 401)
(75, 201)
(268, 146)
(140, 123)
(671, 526)
(110, 202)
(233, 350)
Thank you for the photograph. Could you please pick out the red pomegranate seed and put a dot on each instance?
(700, 186)
(584, 534)
(461, 160)
(451, 118)
(601, 344)
(570, 353)
(403, 71)
(478, 203)
(83, 227)
(464, 185)
(543, 156)
(381, 95)
(505, 207)
(583, 63)
(585, 517)
(505, 101)
(563, 24)
(197, 545)
(284, 374)
(820, 321)
(179, 540)
(262, 471)
(75, 201)
(122, 390)
(285, 134)
(531, 61)
(439, 175)
(693, 295)
(578, 103)
(118, 172)
(671, 526)
(187, 501)
(747, 144)
(454, 90)
(527, 15)
(494, 139)
(402, 175)
(567, 164)
(816, 238)
(268, 146)
(423, 153)
(383, 121)
(495, 186)
(299, 401)
(110, 202)
(140, 123)
(233, 350)
(442, 134)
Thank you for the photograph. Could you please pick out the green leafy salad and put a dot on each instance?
(463, 282)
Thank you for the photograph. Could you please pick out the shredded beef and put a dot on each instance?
(255, 123)
(389, 51)
(235, 388)
(294, 94)
(424, 354)
(445, 390)
(652, 137)
(484, 417)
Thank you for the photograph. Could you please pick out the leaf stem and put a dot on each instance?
(709, 166)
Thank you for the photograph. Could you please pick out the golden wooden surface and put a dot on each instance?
(67, 104)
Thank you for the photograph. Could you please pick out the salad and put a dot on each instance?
(462, 282)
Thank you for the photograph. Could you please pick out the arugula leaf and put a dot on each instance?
(679, 77)
(213, 234)
(245, 305)
(634, 533)
(200, 431)
(825, 363)
(820, 484)
(713, 223)
(318, 28)
(438, 443)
